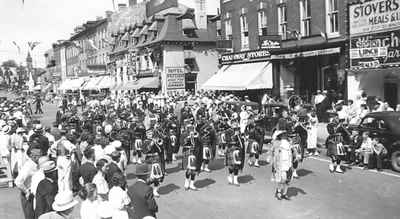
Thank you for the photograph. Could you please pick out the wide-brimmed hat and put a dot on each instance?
(141, 170)
(116, 144)
(48, 166)
(64, 201)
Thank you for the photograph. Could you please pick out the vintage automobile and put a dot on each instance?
(386, 126)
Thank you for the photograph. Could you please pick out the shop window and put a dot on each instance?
(305, 18)
(262, 23)
(282, 19)
(332, 17)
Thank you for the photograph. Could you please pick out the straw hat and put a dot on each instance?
(64, 201)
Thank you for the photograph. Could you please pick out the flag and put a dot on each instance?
(91, 45)
(16, 45)
(32, 45)
(31, 82)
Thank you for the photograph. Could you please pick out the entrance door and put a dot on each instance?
(390, 92)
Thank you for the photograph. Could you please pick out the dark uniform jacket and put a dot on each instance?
(45, 193)
(87, 171)
(110, 170)
(143, 200)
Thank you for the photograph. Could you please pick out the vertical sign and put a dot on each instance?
(175, 78)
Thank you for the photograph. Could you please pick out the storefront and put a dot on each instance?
(243, 71)
(374, 53)
(303, 73)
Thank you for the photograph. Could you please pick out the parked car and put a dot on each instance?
(386, 126)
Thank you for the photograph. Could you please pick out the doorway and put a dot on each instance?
(390, 92)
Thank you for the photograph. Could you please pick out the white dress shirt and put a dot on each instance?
(24, 178)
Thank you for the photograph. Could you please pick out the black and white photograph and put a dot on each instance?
(199, 109)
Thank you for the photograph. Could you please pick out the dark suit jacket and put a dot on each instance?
(45, 193)
(143, 200)
(87, 171)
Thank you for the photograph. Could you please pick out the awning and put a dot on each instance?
(136, 32)
(151, 82)
(188, 24)
(72, 84)
(144, 31)
(92, 83)
(106, 82)
(249, 76)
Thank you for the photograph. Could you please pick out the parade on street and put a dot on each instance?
(144, 109)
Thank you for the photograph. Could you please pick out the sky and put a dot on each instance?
(47, 21)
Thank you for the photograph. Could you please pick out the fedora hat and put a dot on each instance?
(48, 166)
(141, 170)
(64, 201)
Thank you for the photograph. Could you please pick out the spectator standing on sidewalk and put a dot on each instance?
(379, 151)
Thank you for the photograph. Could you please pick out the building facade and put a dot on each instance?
(374, 50)
(164, 47)
(305, 39)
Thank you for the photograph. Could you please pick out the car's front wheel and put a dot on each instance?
(395, 159)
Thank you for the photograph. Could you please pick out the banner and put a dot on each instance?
(175, 78)
(375, 50)
(374, 16)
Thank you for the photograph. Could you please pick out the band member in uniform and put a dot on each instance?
(234, 158)
(139, 134)
(254, 149)
(191, 159)
(206, 152)
(153, 158)
(336, 150)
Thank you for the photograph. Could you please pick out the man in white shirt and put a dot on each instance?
(5, 146)
(244, 119)
(24, 181)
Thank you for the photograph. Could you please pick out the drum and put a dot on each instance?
(191, 162)
(254, 147)
(173, 140)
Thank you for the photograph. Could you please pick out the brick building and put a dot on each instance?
(286, 46)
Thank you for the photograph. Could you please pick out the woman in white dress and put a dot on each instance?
(312, 134)
(282, 165)
(118, 197)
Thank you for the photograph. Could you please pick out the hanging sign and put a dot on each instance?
(175, 78)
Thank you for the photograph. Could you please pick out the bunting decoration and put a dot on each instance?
(32, 45)
(16, 45)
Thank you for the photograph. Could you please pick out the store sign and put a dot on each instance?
(252, 55)
(270, 41)
(175, 78)
(375, 50)
(320, 52)
(374, 16)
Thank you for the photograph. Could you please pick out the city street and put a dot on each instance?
(316, 194)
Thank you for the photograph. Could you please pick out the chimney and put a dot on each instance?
(132, 3)
(200, 13)
(121, 6)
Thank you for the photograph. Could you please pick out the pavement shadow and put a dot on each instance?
(203, 183)
(245, 179)
(294, 191)
(163, 190)
(303, 172)
(217, 164)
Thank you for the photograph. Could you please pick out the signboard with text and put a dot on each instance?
(375, 50)
(374, 16)
(247, 56)
(175, 78)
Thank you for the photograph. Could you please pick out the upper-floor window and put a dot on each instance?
(305, 18)
(262, 23)
(244, 29)
(282, 19)
(228, 26)
(332, 16)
